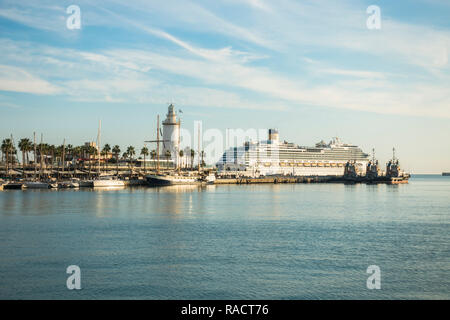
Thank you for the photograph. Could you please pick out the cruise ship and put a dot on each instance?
(272, 157)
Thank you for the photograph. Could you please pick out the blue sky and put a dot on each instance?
(310, 68)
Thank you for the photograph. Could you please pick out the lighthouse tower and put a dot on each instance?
(171, 135)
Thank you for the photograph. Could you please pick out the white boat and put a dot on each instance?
(169, 179)
(108, 183)
(276, 157)
(209, 179)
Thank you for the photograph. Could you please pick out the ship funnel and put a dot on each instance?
(273, 135)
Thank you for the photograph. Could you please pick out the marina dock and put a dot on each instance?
(276, 179)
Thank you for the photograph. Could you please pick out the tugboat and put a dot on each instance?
(372, 170)
(394, 175)
(351, 174)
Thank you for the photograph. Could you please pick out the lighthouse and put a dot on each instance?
(171, 135)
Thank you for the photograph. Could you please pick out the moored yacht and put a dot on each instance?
(69, 184)
(171, 179)
(106, 182)
(179, 179)
(39, 185)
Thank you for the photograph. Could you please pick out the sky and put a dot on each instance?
(313, 69)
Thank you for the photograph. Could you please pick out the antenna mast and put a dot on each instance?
(199, 159)
(40, 152)
(63, 156)
(34, 164)
(157, 144)
(98, 146)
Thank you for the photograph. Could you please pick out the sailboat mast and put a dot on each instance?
(98, 146)
(178, 147)
(34, 144)
(40, 156)
(199, 160)
(63, 155)
(157, 144)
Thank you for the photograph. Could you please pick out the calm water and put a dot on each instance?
(229, 242)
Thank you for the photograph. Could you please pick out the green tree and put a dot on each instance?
(153, 155)
(144, 152)
(106, 150)
(167, 155)
(181, 154)
(202, 154)
(7, 150)
(25, 147)
(91, 151)
(192, 158)
(116, 152)
(131, 152)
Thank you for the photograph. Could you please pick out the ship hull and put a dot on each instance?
(36, 185)
(13, 186)
(155, 180)
(68, 185)
(108, 184)
(86, 184)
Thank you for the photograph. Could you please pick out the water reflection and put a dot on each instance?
(278, 201)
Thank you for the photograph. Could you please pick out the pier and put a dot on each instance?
(276, 179)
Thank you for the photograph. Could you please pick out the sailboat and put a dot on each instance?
(106, 181)
(174, 178)
(39, 184)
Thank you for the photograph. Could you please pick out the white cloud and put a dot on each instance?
(18, 80)
(232, 76)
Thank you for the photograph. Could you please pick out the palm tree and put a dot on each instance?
(116, 151)
(91, 151)
(76, 153)
(106, 150)
(25, 147)
(202, 154)
(7, 149)
(52, 151)
(144, 152)
(167, 155)
(181, 154)
(43, 149)
(125, 156)
(153, 155)
(59, 155)
(131, 152)
(192, 158)
(68, 153)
